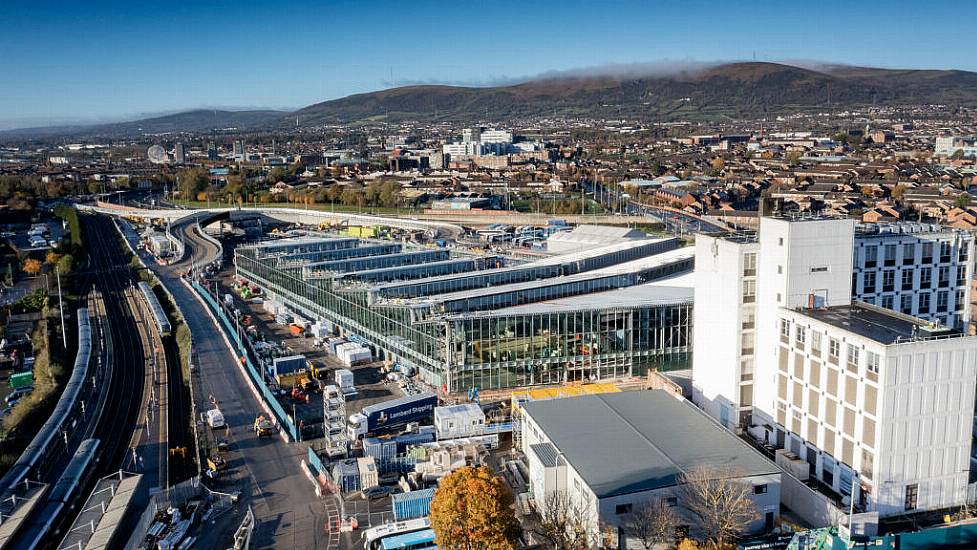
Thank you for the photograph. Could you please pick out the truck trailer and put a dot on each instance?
(391, 414)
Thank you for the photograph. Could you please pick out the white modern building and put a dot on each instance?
(917, 269)
(724, 325)
(865, 396)
(948, 145)
(480, 141)
(613, 452)
(873, 399)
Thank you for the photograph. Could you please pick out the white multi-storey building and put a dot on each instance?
(917, 269)
(870, 398)
(875, 400)
(724, 321)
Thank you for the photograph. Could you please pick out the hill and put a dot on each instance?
(200, 120)
(730, 90)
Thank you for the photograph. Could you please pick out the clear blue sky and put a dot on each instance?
(96, 60)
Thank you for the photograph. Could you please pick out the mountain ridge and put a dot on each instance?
(725, 91)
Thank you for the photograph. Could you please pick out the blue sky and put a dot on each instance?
(102, 60)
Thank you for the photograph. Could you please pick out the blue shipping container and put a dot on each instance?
(415, 504)
(380, 449)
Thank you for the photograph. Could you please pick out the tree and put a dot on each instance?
(688, 544)
(718, 502)
(563, 522)
(962, 200)
(52, 257)
(473, 510)
(32, 266)
(65, 264)
(899, 191)
(652, 523)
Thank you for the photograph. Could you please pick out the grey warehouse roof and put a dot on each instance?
(629, 442)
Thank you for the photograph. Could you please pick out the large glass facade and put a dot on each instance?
(489, 349)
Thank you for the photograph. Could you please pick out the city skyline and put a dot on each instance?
(104, 63)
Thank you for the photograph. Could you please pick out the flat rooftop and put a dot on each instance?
(635, 441)
(881, 325)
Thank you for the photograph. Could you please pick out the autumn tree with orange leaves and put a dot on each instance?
(472, 510)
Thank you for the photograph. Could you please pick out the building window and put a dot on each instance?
(887, 302)
(749, 292)
(780, 270)
(760, 489)
(941, 301)
(906, 304)
(927, 253)
(784, 330)
(749, 319)
(780, 241)
(622, 509)
(868, 283)
(912, 496)
(671, 501)
(871, 256)
(819, 269)
(749, 264)
(963, 254)
(908, 254)
(888, 280)
(943, 276)
(946, 250)
(801, 337)
(924, 303)
(852, 357)
(816, 343)
(890, 255)
(872, 361)
(907, 279)
(925, 278)
(834, 348)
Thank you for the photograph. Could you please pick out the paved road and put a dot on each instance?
(266, 471)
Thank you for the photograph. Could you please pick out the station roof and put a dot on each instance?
(672, 290)
(655, 436)
(625, 268)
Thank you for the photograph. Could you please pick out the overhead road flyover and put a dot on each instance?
(288, 215)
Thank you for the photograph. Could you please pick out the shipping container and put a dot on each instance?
(413, 504)
(369, 474)
(335, 343)
(287, 365)
(380, 449)
(424, 434)
(464, 420)
(344, 379)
